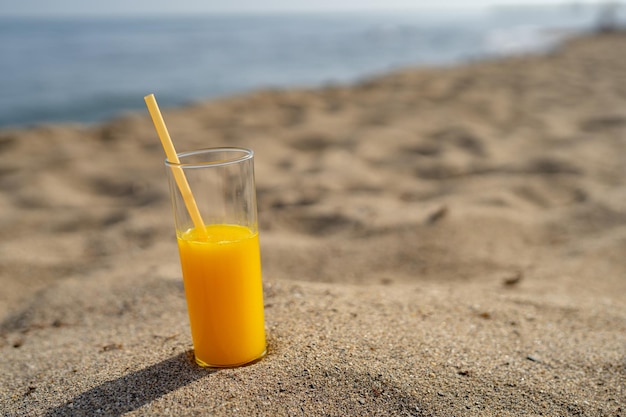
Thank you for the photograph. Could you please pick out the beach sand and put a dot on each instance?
(435, 242)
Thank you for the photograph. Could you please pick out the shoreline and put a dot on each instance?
(85, 102)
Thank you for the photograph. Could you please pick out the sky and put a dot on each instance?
(142, 7)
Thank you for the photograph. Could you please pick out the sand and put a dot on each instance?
(435, 242)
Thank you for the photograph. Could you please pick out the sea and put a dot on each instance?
(91, 69)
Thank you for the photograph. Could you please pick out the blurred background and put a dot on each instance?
(74, 61)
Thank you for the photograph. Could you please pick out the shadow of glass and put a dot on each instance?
(131, 391)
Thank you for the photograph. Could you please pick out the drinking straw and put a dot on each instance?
(172, 156)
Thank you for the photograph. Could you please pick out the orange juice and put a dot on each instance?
(224, 291)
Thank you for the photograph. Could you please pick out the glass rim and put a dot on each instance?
(241, 155)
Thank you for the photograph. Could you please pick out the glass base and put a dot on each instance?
(235, 365)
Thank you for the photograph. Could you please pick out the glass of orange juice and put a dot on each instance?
(220, 260)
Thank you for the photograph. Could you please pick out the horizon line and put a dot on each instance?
(320, 11)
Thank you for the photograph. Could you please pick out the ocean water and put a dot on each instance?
(92, 69)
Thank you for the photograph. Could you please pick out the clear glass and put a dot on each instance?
(220, 260)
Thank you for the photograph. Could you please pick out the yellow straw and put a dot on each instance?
(170, 152)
